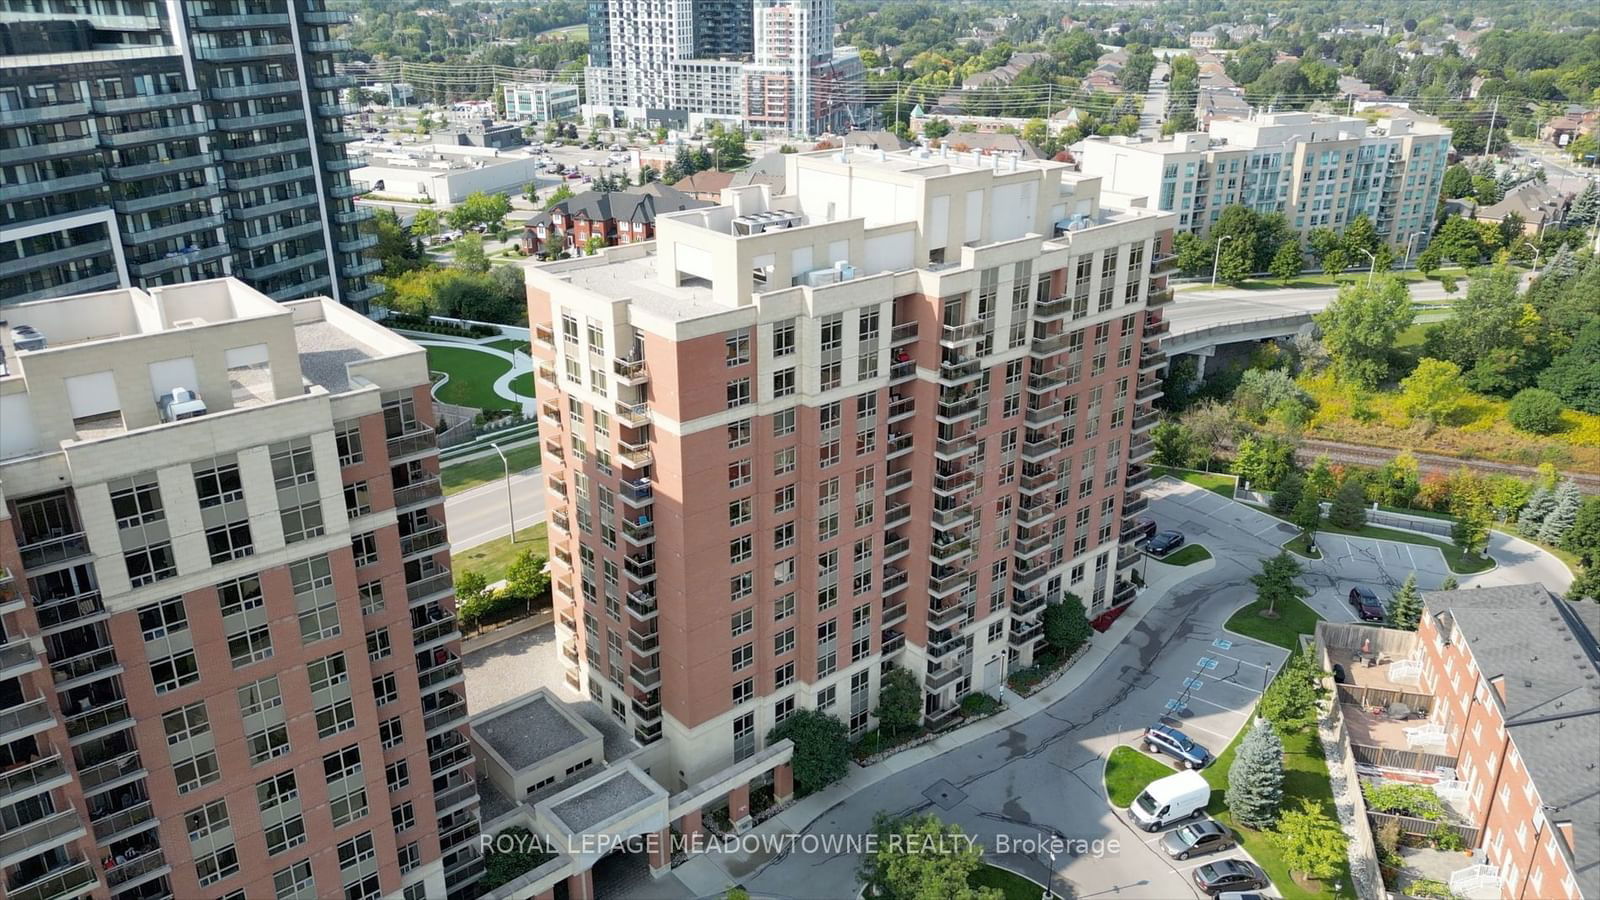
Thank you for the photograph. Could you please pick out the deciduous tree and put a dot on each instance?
(1432, 392)
(1360, 326)
(821, 748)
(899, 702)
(1311, 842)
(921, 857)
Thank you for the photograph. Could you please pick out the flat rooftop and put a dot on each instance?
(326, 352)
(604, 799)
(529, 732)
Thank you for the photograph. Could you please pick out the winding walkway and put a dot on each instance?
(502, 385)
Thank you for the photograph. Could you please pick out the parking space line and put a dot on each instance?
(1188, 725)
(1217, 705)
(1236, 684)
(1245, 662)
(1411, 556)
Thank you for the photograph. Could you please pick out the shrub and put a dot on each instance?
(821, 749)
(1535, 410)
(1404, 799)
(979, 704)
(1066, 625)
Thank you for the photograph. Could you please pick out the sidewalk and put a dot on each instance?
(705, 877)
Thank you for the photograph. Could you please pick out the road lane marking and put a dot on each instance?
(1218, 705)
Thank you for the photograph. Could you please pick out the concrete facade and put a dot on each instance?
(233, 631)
(1319, 171)
(788, 441)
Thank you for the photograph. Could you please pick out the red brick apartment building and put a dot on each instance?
(228, 652)
(616, 217)
(1516, 677)
(883, 419)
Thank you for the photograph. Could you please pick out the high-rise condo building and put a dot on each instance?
(148, 143)
(885, 419)
(767, 64)
(1320, 171)
(228, 650)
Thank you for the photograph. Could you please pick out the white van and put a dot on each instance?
(1170, 799)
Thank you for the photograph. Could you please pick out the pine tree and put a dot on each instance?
(1585, 210)
(1563, 264)
(1349, 508)
(1406, 610)
(1449, 584)
(1531, 519)
(1562, 513)
(1255, 780)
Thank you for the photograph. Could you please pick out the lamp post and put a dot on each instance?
(1216, 258)
(1410, 242)
(1374, 269)
(510, 510)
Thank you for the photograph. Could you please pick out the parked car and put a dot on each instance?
(1204, 836)
(1165, 542)
(1367, 605)
(1182, 795)
(1145, 529)
(1241, 895)
(586, 161)
(1176, 744)
(1230, 875)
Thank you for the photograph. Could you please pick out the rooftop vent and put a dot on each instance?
(26, 337)
(757, 223)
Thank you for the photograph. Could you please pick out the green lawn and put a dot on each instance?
(472, 376)
(1311, 280)
(1294, 619)
(1305, 776)
(461, 476)
(522, 384)
(509, 345)
(1215, 482)
(1127, 773)
(1187, 555)
(494, 557)
(1011, 885)
(1299, 547)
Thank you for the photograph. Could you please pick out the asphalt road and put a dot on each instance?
(479, 515)
(1195, 309)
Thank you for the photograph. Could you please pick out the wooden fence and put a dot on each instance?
(1364, 851)
(1404, 760)
(1355, 694)
(1425, 828)
(1344, 638)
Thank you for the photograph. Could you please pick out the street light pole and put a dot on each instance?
(1410, 242)
(1217, 258)
(510, 510)
(1374, 270)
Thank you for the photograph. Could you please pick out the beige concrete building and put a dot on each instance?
(228, 651)
(1319, 171)
(885, 418)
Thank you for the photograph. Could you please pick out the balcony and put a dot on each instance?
(904, 333)
(329, 46)
(898, 514)
(33, 778)
(455, 796)
(1036, 479)
(1135, 506)
(123, 766)
(639, 533)
(53, 550)
(138, 867)
(956, 408)
(559, 522)
(948, 615)
(25, 719)
(896, 547)
(891, 641)
(269, 179)
(120, 105)
(70, 880)
(556, 484)
(17, 658)
(1026, 575)
(1030, 514)
(443, 630)
(415, 440)
(257, 151)
(1050, 310)
(634, 415)
(637, 493)
(345, 163)
(640, 568)
(48, 150)
(354, 216)
(634, 455)
(901, 408)
(356, 245)
(1028, 603)
(644, 643)
(897, 481)
(440, 674)
(428, 588)
(253, 91)
(951, 447)
(424, 492)
(1158, 298)
(941, 676)
(105, 716)
(630, 371)
(58, 185)
(325, 17)
(346, 191)
(248, 51)
(1141, 451)
(53, 112)
(1040, 416)
(903, 370)
(337, 110)
(1048, 344)
(893, 580)
(1149, 391)
(959, 371)
(1137, 477)
(1144, 423)
(333, 82)
(1028, 547)
(240, 22)
(641, 605)
(1151, 362)
(1036, 451)
(423, 541)
(552, 450)
(1156, 328)
(278, 267)
(956, 335)
(42, 834)
(108, 826)
(897, 445)
(646, 678)
(943, 585)
(947, 552)
(1049, 380)
(1022, 637)
(1163, 264)
(953, 516)
(453, 754)
(647, 708)
(95, 663)
(336, 137)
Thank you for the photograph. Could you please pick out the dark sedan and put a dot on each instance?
(1196, 838)
(1367, 605)
(1230, 875)
(1164, 543)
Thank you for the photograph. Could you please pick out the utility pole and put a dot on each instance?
(1488, 144)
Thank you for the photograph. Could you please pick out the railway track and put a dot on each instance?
(1360, 454)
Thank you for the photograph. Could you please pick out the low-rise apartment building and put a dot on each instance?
(1320, 171)
(887, 417)
(229, 663)
(615, 217)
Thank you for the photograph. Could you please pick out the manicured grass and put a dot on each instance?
(1011, 885)
(1299, 547)
(1314, 280)
(1127, 773)
(1294, 619)
(1215, 482)
(472, 376)
(522, 384)
(461, 476)
(494, 557)
(509, 345)
(1187, 555)
(1305, 777)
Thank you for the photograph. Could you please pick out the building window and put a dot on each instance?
(783, 338)
(744, 737)
(219, 485)
(295, 882)
(738, 392)
(783, 675)
(738, 347)
(302, 522)
(783, 422)
(385, 689)
(742, 656)
(390, 733)
(364, 547)
(403, 816)
(148, 565)
(743, 691)
(739, 473)
(371, 594)
(172, 672)
(783, 709)
(378, 646)
(348, 441)
(281, 822)
(347, 788)
(316, 601)
(397, 774)
(230, 541)
(738, 434)
(357, 499)
(783, 383)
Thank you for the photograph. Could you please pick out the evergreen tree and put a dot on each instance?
(1349, 508)
(1585, 210)
(1287, 496)
(1562, 514)
(1449, 584)
(1255, 780)
(1066, 625)
(1406, 610)
(1532, 517)
(1563, 264)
